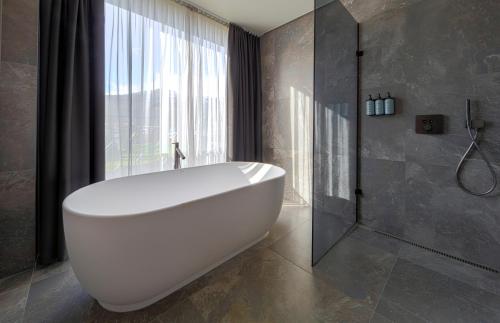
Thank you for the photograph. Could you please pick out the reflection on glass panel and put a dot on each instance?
(301, 142)
(336, 178)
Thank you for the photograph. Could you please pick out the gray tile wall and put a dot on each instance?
(18, 92)
(287, 90)
(431, 55)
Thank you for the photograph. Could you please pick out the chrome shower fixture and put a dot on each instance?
(473, 126)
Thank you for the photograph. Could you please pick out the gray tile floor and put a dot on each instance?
(365, 278)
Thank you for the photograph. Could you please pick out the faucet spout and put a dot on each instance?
(179, 152)
(178, 156)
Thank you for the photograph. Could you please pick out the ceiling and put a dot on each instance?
(256, 16)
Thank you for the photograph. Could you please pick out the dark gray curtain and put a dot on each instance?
(245, 95)
(70, 142)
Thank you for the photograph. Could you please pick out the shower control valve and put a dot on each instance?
(429, 124)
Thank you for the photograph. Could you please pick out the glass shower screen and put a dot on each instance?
(335, 125)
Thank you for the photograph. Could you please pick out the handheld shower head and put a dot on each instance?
(468, 119)
(473, 127)
(470, 123)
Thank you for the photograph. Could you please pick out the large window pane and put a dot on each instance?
(165, 82)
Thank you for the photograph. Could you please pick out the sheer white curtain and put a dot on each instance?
(165, 81)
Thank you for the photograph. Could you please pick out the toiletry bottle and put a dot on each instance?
(379, 106)
(370, 106)
(389, 104)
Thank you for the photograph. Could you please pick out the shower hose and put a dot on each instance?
(474, 134)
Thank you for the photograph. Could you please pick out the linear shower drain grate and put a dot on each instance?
(483, 267)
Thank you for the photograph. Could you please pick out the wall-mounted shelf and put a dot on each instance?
(380, 107)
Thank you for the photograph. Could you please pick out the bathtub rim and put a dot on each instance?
(65, 207)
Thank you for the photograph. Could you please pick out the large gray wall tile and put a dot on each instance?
(18, 116)
(287, 90)
(364, 10)
(383, 203)
(20, 31)
(17, 221)
(431, 55)
(18, 98)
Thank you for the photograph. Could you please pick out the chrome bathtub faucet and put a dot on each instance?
(178, 156)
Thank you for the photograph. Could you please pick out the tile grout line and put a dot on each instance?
(382, 292)
(316, 277)
(289, 261)
(285, 236)
(449, 262)
(29, 290)
(415, 263)
(407, 311)
(289, 232)
(397, 258)
(311, 273)
(383, 289)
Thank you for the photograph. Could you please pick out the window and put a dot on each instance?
(165, 77)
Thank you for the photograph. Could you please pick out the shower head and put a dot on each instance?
(470, 123)
(473, 127)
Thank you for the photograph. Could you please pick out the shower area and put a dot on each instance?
(406, 204)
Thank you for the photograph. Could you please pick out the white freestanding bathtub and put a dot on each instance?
(134, 240)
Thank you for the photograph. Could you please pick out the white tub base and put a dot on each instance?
(140, 305)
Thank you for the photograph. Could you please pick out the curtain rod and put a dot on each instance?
(203, 12)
